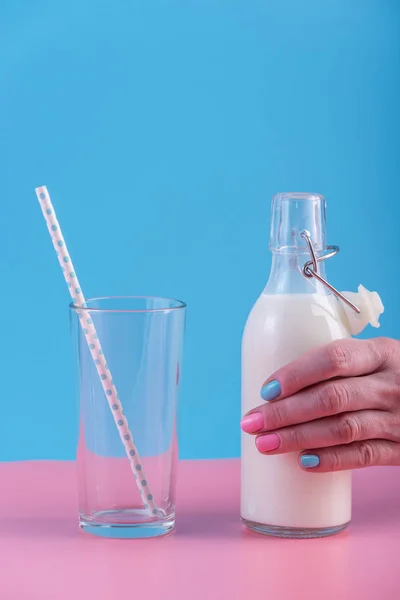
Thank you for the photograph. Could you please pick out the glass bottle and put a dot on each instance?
(293, 315)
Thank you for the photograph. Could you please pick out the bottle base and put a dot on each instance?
(293, 532)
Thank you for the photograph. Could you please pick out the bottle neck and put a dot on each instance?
(286, 276)
(292, 214)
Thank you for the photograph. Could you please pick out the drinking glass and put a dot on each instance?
(141, 339)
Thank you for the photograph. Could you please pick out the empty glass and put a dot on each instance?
(125, 492)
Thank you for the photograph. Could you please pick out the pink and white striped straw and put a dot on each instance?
(96, 351)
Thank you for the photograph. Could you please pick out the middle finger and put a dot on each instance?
(322, 400)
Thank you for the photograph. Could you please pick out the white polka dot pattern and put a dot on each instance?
(95, 348)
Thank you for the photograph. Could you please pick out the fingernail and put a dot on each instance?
(308, 461)
(252, 423)
(266, 443)
(271, 390)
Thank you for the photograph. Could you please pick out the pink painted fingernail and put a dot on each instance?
(252, 423)
(266, 443)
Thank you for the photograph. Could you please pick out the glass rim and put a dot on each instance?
(179, 305)
(299, 196)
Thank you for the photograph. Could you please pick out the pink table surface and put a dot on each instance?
(211, 556)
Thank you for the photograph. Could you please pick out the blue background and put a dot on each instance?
(162, 129)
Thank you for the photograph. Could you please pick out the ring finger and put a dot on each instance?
(322, 400)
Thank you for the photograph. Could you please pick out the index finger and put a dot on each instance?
(342, 358)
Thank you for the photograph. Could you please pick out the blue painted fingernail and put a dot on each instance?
(308, 461)
(271, 390)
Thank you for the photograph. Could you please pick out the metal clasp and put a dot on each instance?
(310, 269)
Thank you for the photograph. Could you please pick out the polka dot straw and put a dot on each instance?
(95, 349)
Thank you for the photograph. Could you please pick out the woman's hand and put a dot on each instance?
(338, 405)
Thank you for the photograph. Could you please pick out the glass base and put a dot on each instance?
(293, 532)
(126, 524)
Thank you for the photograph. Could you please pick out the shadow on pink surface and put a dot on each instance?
(208, 525)
(37, 528)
